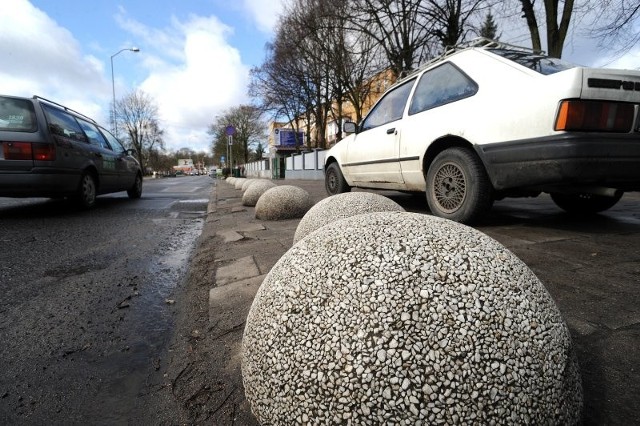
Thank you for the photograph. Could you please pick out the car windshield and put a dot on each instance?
(540, 63)
(17, 115)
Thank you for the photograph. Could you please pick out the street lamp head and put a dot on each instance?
(113, 85)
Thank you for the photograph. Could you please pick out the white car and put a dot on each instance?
(490, 120)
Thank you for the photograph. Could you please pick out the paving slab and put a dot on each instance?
(239, 269)
(229, 304)
(229, 236)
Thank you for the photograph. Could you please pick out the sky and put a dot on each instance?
(194, 58)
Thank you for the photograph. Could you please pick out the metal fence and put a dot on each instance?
(307, 165)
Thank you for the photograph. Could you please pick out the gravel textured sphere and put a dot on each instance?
(255, 190)
(403, 319)
(341, 206)
(246, 184)
(239, 182)
(231, 180)
(283, 202)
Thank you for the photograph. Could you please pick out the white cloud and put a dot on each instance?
(264, 13)
(39, 57)
(191, 71)
(194, 75)
(629, 61)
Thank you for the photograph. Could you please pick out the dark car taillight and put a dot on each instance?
(29, 151)
(44, 152)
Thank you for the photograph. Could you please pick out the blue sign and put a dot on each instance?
(230, 130)
(222, 158)
(289, 137)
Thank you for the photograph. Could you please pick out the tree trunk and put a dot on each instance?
(556, 34)
(530, 16)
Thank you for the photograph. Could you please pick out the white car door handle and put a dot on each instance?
(391, 130)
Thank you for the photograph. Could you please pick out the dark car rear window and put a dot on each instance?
(17, 115)
(540, 63)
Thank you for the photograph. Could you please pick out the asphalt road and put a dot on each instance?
(86, 311)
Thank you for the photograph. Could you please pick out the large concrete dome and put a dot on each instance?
(341, 206)
(403, 318)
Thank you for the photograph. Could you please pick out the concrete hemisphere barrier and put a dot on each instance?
(238, 182)
(283, 202)
(230, 180)
(404, 318)
(342, 206)
(255, 190)
(246, 184)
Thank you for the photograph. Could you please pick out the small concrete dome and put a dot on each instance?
(239, 182)
(404, 318)
(231, 180)
(246, 184)
(283, 202)
(255, 190)
(341, 206)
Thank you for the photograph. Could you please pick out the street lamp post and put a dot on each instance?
(113, 86)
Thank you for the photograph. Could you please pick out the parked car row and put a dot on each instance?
(489, 120)
(49, 150)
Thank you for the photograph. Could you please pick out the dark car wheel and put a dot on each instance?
(334, 181)
(136, 190)
(584, 203)
(458, 187)
(86, 194)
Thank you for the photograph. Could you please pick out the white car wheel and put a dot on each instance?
(458, 187)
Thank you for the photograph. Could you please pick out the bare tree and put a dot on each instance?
(326, 52)
(616, 24)
(556, 31)
(450, 19)
(249, 132)
(296, 81)
(276, 88)
(353, 59)
(137, 114)
(399, 28)
(160, 161)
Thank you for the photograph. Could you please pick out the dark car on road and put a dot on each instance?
(49, 150)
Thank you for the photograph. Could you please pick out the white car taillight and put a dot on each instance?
(595, 116)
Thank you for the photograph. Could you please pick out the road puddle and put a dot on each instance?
(150, 318)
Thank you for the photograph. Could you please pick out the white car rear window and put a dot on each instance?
(543, 64)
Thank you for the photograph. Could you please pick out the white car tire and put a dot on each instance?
(334, 181)
(458, 187)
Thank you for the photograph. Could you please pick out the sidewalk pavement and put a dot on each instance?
(589, 267)
(247, 249)
(250, 247)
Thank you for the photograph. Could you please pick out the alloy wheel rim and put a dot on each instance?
(450, 187)
(89, 189)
